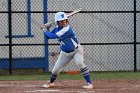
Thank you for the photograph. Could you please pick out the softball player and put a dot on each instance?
(70, 48)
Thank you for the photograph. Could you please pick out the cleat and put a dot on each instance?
(48, 85)
(88, 86)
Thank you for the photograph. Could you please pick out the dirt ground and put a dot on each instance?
(71, 86)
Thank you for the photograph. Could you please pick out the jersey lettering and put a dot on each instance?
(62, 43)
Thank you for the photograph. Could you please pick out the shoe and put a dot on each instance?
(48, 85)
(88, 86)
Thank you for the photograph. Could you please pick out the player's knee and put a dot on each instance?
(81, 65)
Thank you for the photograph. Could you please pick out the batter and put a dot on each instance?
(70, 49)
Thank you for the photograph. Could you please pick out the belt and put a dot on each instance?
(72, 50)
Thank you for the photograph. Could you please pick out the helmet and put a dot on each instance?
(60, 16)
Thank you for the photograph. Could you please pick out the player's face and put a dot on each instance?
(63, 23)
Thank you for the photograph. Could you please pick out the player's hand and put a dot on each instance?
(46, 26)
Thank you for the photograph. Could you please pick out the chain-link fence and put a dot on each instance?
(109, 30)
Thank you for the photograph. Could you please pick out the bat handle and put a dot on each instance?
(46, 26)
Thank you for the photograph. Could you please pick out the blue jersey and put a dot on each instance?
(66, 37)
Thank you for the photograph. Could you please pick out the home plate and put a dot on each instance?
(43, 91)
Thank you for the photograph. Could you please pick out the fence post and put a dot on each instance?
(135, 42)
(45, 38)
(10, 35)
(29, 16)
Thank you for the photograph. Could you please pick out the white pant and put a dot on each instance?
(65, 58)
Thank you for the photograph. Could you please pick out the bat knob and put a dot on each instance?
(43, 28)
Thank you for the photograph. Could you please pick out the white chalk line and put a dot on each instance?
(61, 91)
(43, 91)
(17, 85)
(48, 90)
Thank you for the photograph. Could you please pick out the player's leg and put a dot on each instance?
(78, 57)
(61, 62)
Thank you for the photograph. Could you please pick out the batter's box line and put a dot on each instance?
(60, 91)
(43, 91)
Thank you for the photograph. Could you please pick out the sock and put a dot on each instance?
(53, 78)
(86, 75)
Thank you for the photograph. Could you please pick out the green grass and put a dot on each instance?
(117, 75)
(94, 75)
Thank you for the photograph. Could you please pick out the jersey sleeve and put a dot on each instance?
(50, 35)
(62, 31)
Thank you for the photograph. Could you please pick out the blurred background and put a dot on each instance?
(109, 31)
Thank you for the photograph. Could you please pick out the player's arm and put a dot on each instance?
(63, 31)
(50, 35)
